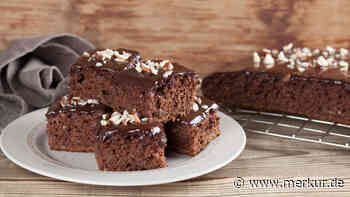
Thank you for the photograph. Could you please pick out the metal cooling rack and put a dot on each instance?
(293, 127)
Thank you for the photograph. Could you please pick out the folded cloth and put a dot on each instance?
(34, 72)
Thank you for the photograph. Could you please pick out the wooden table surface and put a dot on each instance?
(207, 36)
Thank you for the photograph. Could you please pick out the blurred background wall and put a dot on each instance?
(207, 36)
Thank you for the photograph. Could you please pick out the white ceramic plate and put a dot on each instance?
(25, 143)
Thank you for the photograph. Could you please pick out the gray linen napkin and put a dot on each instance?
(34, 72)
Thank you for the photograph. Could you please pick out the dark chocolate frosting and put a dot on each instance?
(91, 60)
(128, 71)
(134, 131)
(195, 117)
(89, 108)
(148, 80)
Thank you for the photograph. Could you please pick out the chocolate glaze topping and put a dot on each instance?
(57, 108)
(195, 117)
(134, 131)
(95, 61)
(147, 80)
(128, 71)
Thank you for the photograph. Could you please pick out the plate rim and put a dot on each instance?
(50, 174)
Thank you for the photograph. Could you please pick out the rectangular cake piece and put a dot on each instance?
(72, 124)
(156, 89)
(190, 134)
(310, 82)
(126, 143)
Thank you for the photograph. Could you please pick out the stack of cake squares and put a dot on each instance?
(129, 111)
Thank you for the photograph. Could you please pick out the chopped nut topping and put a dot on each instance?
(282, 58)
(138, 67)
(330, 50)
(269, 61)
(307, 52)
(274, 52)
(105, 116)
(74, 101)
(302, 59)
(198, 100)
(121, 57)
(154, 70)
(205, 106)
(343, 63)
(325, 53)
(343, 53)
(288, 47)
(266, 51)
(291, 65)
(107, 55)
(256, 59)
(155, 130)
(322, 61)
(330, 61)
(154, 67)
(86, 54)
(301, 69)
(167, 74)
(166, 65)
(198, 104)
(117, 118)
(344, 66)
(104, 122)
(304, 64)
(316, 51)
(136, 117)
(145, 67)
(195, 107)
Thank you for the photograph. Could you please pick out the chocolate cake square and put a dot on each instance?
(155, 89)
(126, 143)
(72, 124)
(190, 134)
